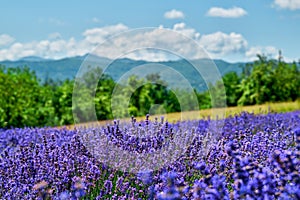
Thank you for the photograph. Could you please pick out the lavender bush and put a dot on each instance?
(254, 157)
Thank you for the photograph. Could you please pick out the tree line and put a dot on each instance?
(26, 101)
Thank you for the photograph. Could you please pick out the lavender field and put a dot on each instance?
(254, 157)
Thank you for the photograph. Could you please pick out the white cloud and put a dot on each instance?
(158, 44)
(98, 35)
(16, 50)
(268, 51)
(288, 4)
(189, 32)
(129, 45)
(174, 14)
(234, 12)
(150, 55)
(220, 44)
(45, 48)
(168, 44)
(6, 40)
(55, 47)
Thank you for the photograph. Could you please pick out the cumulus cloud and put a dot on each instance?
(16, 50)
(234, 12)
(6, 40)
(133, 45)
(167, 43)
(143, 44)
(287, 4)
(189, 32)
(220, 43)
(45, 48)
(174, 14)
(269, 51)
(217, 44)
(98, 35)
(158, 44)
(55, 46)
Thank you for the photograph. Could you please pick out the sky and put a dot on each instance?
(232, 30)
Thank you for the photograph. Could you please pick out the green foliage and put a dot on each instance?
(218, 94)
(103, 96)
(204, 100)
(62, 103)
(24, 101)
(269, 81)
(143, 94)
(231, 82)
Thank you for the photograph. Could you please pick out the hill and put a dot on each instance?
(67, 68)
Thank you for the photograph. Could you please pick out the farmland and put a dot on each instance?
(250, 156)
(241, 140)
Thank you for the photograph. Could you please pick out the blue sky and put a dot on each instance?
(233, 30)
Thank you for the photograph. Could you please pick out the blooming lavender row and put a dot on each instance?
(248, 157)
(44, 162)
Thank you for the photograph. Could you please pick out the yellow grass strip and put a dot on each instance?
(210, 113)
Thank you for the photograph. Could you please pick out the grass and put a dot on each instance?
(213, 113)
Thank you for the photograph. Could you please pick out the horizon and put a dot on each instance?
(41, 59)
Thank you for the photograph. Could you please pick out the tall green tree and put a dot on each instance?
(23, 101)
(269, 81)
(62, 103)
(231, 82)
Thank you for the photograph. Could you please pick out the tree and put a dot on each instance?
(269, 81)
(103, 97)
(23, 101)
(231, 82)
(62, 103)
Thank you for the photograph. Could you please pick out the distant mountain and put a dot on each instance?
(33, 59)
(56, 69)
(67, 68)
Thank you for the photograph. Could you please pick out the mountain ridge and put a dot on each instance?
(67, 68)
